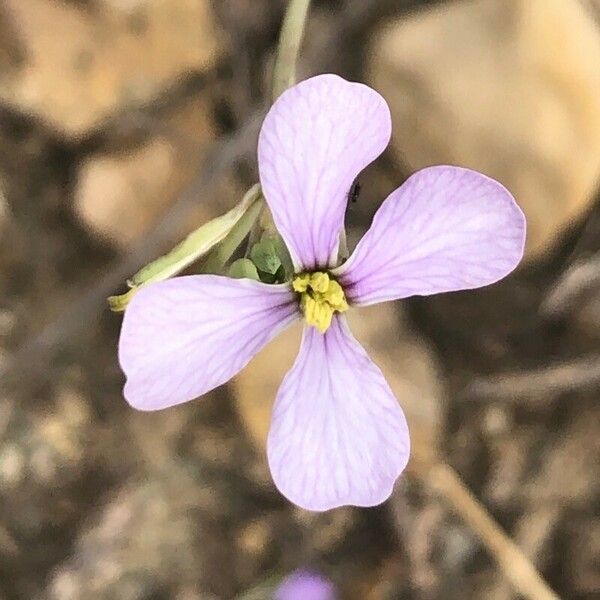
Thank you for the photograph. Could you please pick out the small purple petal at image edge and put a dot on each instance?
(305, 585)
(338, 435)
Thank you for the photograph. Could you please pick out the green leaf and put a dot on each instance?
(243, 268)
(265, 256)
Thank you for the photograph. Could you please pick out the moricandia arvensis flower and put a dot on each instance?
(338, 435)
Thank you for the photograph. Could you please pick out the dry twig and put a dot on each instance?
(576, 284)
(582, 373)
(517, 568)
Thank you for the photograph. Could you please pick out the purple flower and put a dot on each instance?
(338, 435)
(305, 585)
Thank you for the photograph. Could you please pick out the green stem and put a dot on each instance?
(290, 38)
(284, 76)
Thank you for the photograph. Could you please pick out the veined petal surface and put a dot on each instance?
(185, 336)
(446, 229)
(338, 435)
(314, 141)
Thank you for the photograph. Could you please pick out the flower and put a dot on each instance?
(338, 435)
(305, 585)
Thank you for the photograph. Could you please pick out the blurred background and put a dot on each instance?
(124, 124)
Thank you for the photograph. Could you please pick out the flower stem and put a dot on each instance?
(517, 568)
(290, 38)
(284, 76)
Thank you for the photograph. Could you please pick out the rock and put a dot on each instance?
(81, 66)
(171, 522)
(48, 460)
(407, 363)
(120, 195)
(145, 539)
(44, 449)
(510, 89)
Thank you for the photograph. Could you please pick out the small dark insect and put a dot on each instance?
(354, 191)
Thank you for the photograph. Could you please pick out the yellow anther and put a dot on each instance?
(336, 297)
(320, 298)
(319, 282)
(301, 282)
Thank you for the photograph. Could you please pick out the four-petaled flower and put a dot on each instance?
(338, 435)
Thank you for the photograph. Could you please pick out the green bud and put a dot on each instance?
(243, 268)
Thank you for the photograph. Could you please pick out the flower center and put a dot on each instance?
(320, 297)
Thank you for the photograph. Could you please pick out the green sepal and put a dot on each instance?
(267, 277)
(243, 268)
(265, 256)
(286, 271)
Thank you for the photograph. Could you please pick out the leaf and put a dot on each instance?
(265, 256)
(243, 268)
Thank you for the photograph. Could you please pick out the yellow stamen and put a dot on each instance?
(319, 282)
(320, 298)
(301, 282)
